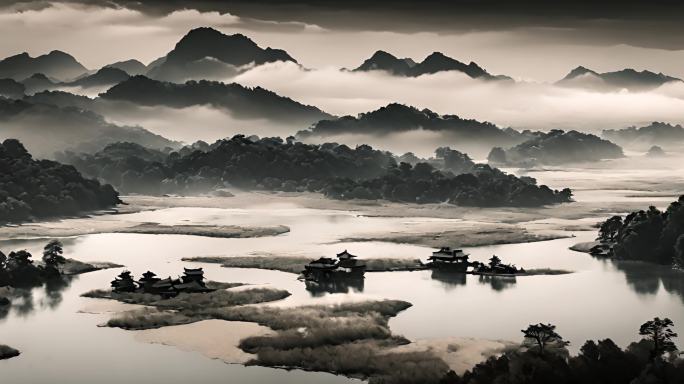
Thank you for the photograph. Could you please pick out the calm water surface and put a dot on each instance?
(599, 299)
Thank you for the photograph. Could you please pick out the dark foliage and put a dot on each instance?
(601, 362)
(17, 269)
(557, 147)
(335, 170)
(649, 235)
(32, 189)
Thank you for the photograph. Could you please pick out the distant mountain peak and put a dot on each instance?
(628, 78)
(235, 50)
(56, 64)
(433, 63)
(132, 67)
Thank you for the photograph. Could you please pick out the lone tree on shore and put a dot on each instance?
(542, 335)
(658, 331)
(52, 255)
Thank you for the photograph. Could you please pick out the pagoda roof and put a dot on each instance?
(345, 255)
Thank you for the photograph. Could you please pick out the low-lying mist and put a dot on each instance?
(521, 105)
(192, 123)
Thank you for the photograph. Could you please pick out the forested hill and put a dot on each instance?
(337, 171)
(648, 235)
(35, 189)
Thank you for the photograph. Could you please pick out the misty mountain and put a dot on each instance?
(657, 133)
(11, 89)
(32, 189)
(56, 64)
(61, 99)
(397, 118)
(46, 129)
(243, 102)
(627, 78)
(104, 77)
(38, 82)
(556, 147)
(132, 67)
(435, 62)
(209, 54)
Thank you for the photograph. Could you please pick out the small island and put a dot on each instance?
(7, 352)
(17, 269)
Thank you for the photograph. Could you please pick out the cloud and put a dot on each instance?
(192, 123)
(98, 33)
(521, 105)
(654, 24)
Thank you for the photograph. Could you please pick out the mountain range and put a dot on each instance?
(434, 63)
(630, 79)
(56, 64)
(206, 53)
(242, 102)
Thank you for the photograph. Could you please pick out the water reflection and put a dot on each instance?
(23, 300)
(322, 286)
(646, 279)
(448, 278)
(498, 283)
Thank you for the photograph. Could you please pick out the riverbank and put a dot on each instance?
(97, 225)
(296, 264)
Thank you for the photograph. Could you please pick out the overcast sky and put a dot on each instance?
(522, 39)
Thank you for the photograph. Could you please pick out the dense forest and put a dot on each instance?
(652, 360)
(31, 189)
(556, 147)
(337, 171)
(649, 235)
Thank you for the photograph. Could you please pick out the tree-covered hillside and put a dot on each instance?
(33, 189)
(337, 171)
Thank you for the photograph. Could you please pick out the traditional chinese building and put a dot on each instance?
(448, 258)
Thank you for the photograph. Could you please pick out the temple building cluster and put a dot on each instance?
(192, 281)
(345, 265)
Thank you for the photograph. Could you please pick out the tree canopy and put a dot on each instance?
(648, 235)
(31, 189)
(337, 171)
